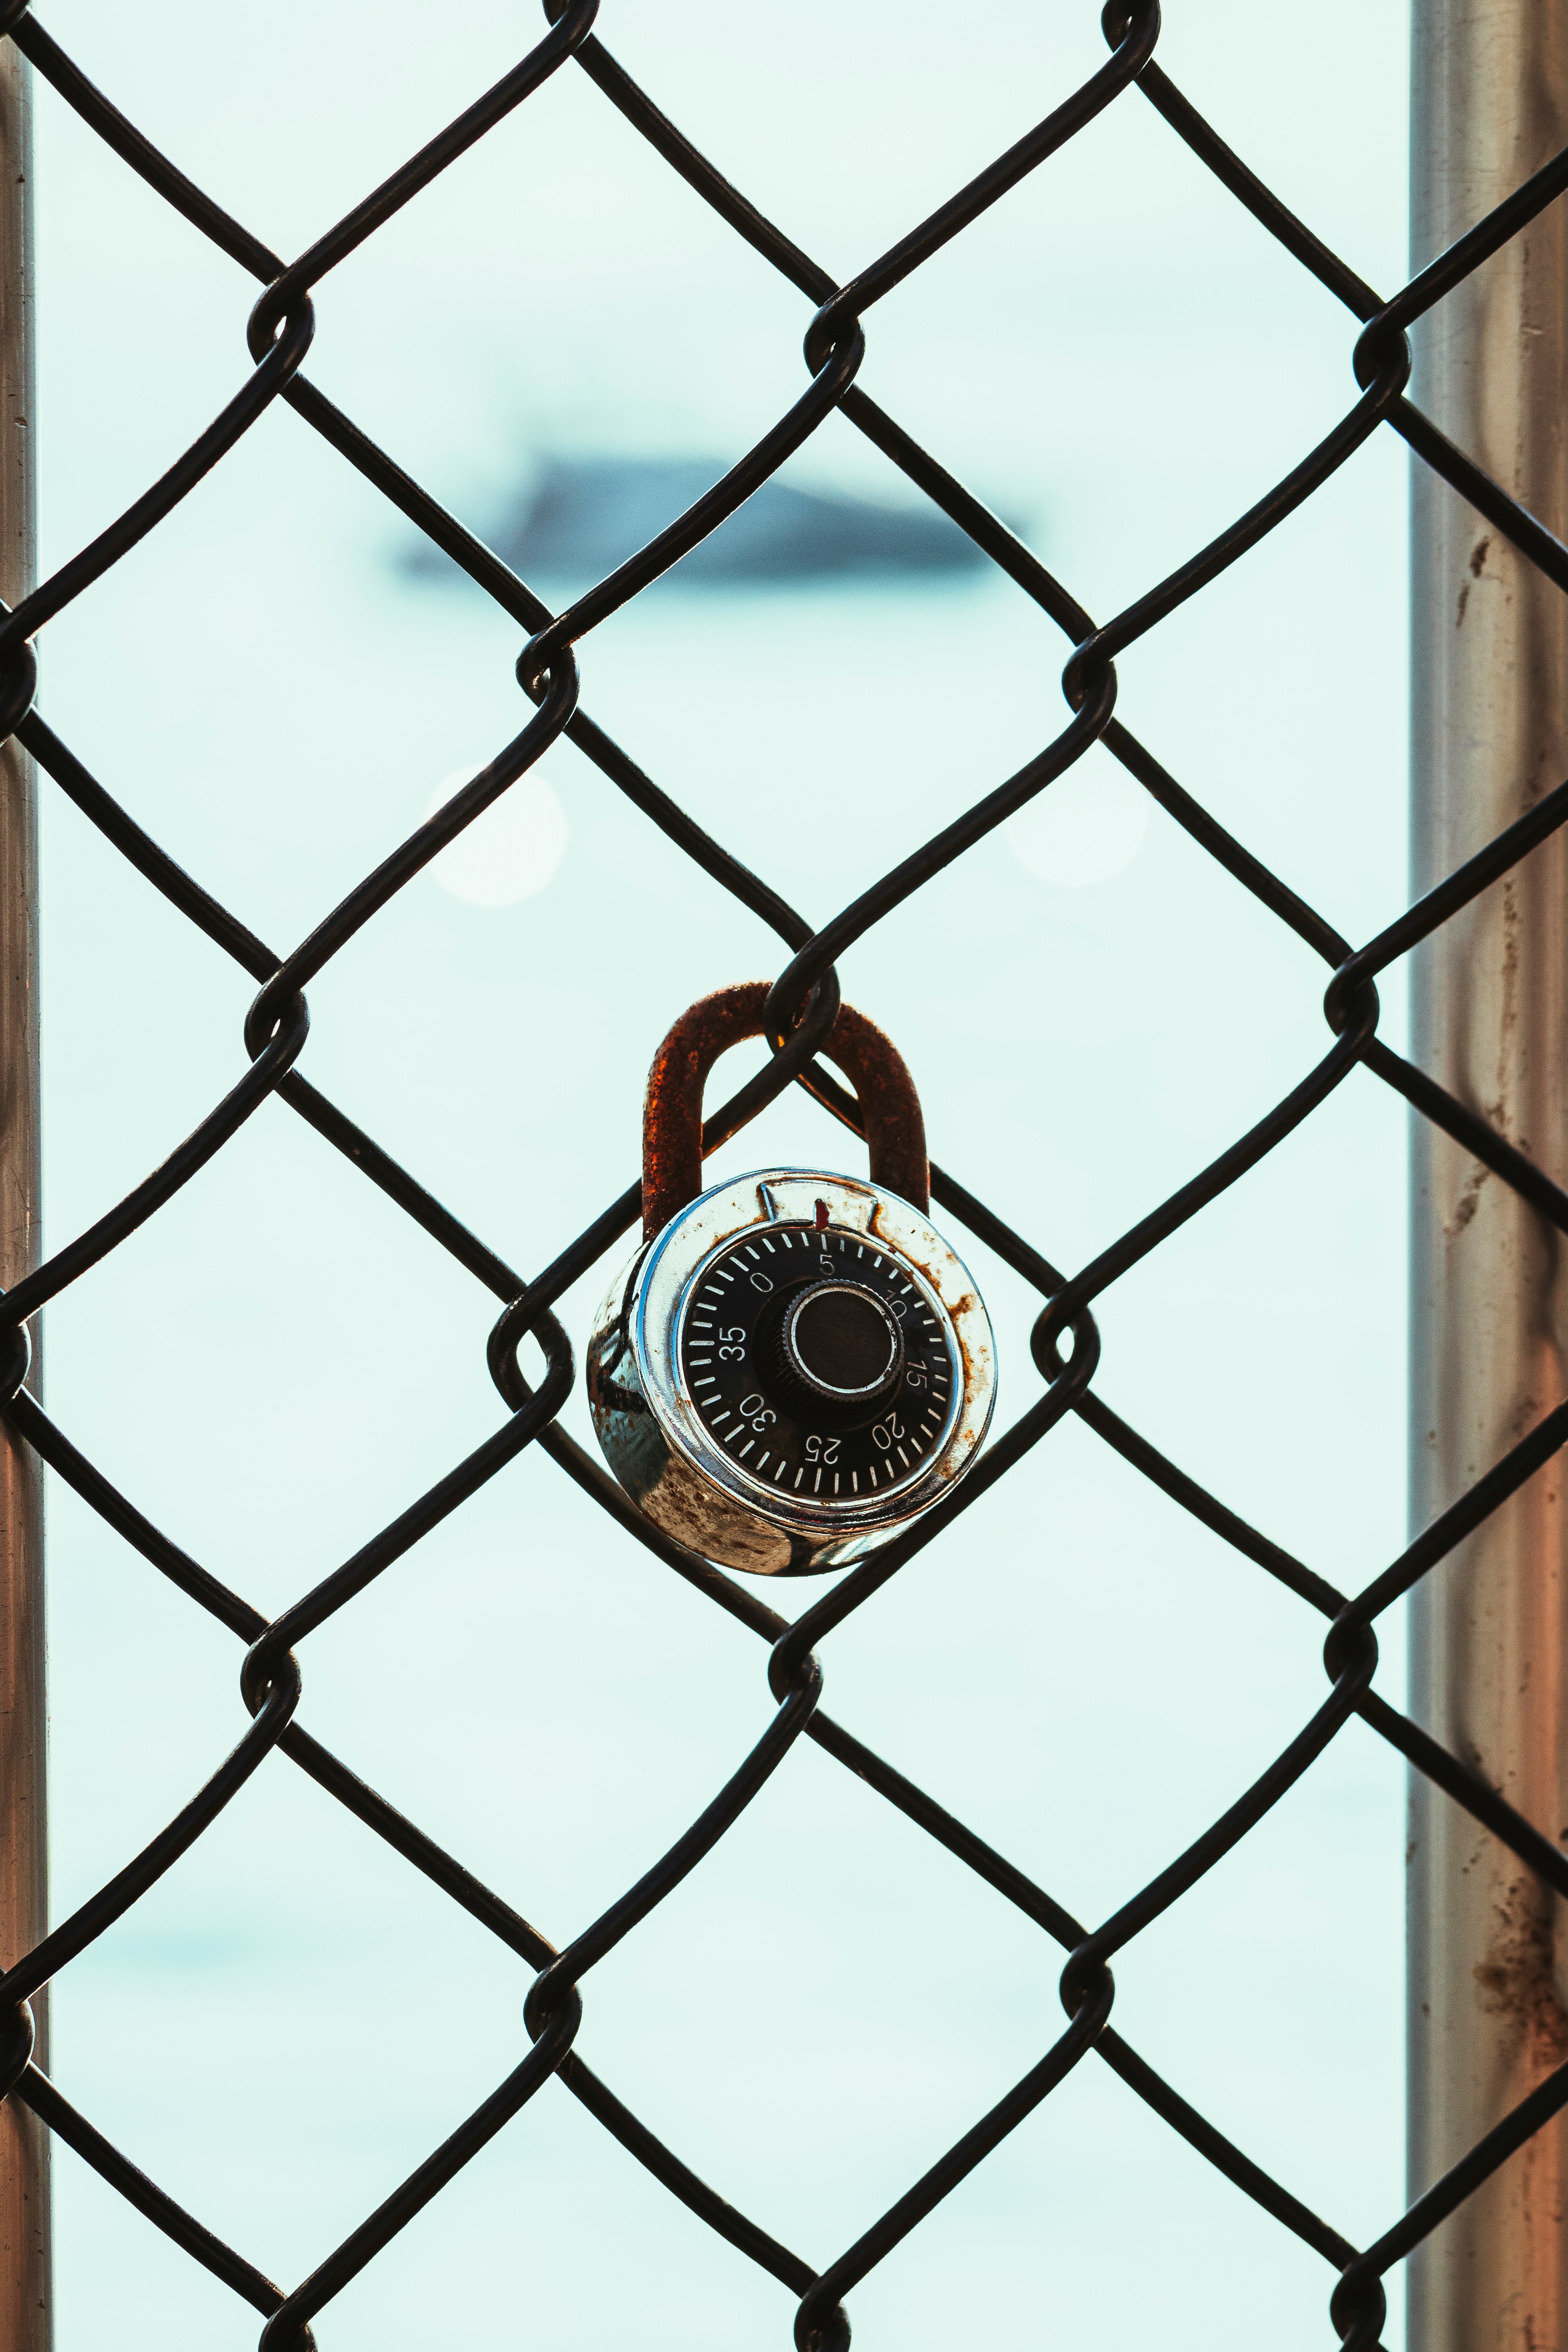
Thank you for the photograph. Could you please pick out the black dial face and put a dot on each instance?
(817, 1363)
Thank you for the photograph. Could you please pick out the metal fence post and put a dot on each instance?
(26, 2302)
(1490, 1285)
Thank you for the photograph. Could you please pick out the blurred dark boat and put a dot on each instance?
(581, 517)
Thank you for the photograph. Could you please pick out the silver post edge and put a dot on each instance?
(26, 2300)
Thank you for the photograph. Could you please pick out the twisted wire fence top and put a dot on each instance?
(530, 1355)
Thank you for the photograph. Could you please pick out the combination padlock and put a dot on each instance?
(795, 1365)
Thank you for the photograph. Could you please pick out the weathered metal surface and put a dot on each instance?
(672, 1106)
(1489, 1317)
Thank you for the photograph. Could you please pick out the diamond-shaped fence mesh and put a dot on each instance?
(1065, 1347)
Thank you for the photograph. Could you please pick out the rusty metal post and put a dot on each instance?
(26, 2301)
(1490, 1279)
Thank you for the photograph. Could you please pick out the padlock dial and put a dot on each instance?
(793, 1368)
(839, 1345)
(817, 1362)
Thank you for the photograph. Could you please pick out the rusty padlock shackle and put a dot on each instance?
(672, 1106)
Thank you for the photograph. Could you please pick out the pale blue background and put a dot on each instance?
(279, 1362)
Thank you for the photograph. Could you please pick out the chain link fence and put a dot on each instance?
(803, 1005)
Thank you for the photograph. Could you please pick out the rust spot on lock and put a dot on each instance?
(672, 1106)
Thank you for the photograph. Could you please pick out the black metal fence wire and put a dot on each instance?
(1065, 1343)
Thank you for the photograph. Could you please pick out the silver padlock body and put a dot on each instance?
(669, 1414)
